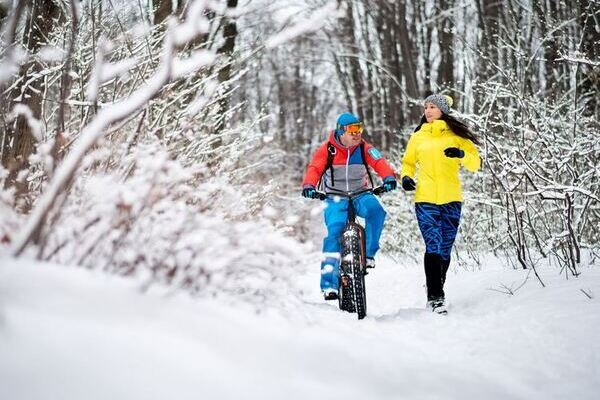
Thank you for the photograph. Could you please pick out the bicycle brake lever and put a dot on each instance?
(321, 196)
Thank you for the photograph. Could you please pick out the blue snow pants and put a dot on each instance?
(439, 224)
(366, 206)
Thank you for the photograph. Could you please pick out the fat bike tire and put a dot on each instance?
(359, 294)
(358, 270)
(353, 297)
(345, 298)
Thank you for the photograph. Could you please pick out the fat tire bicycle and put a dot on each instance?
(352, 295)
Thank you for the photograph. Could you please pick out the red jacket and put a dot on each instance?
(349, 169)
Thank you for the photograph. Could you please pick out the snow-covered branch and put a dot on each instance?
(169, 68)
(312, 23)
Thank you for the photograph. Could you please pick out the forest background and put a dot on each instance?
(169, 138)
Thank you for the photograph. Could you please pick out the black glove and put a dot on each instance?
(408, 184)
(390, 184)
(454, 152)
(309, 192)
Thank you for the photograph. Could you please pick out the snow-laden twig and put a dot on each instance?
(312, 23)
(512, 289)
(579, 59)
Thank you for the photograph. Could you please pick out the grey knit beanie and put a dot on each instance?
(443, 102)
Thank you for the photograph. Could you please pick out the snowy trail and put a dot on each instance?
(69, 333)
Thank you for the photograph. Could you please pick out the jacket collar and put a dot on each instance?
(435, 127)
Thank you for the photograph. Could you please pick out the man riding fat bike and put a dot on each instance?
(343, 162)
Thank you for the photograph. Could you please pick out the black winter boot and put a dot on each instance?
(433, 276)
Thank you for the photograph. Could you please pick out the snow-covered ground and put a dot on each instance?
(69, 333)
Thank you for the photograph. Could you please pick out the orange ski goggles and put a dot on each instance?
(354, 129)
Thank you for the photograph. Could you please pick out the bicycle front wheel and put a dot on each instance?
(353, 267)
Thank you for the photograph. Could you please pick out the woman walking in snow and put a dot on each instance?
(439, 145)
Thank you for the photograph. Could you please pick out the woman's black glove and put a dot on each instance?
(408, 184)
(454, 152)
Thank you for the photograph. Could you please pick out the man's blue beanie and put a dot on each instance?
(343, 120)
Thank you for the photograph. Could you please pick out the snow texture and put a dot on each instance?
(70, 333)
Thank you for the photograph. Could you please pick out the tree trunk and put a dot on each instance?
(43, 16)
(590, 47)
(445, 34)
(181, 7)
(9, 28)
(353, 63)
(368, 107)
(489, 24)
(229, 34)
(489, 52)
(161, 10)
(408, 60)
(543, 13)
(3, 14)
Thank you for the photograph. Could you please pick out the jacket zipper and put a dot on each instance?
(347, 164)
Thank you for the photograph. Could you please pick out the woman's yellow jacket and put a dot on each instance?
(437, 180)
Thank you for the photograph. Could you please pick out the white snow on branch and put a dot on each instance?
(217, 6)
(187, 32)
(91, 90)
(200, 58)
(9, 66)
(196, 23)
(201, 100)
(312, 23)
(34, 123)
(113, 70)
(557, 192)
(51, 54)
(579, 58)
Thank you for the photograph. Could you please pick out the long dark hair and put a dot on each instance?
(458, 127)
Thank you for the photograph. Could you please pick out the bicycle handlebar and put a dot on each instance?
(377, 191)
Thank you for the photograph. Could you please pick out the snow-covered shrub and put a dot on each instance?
(155, 218)
(540, 176)
(169, 191)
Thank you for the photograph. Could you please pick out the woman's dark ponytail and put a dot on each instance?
(458, 127)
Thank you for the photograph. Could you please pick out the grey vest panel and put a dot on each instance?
(346, 179)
